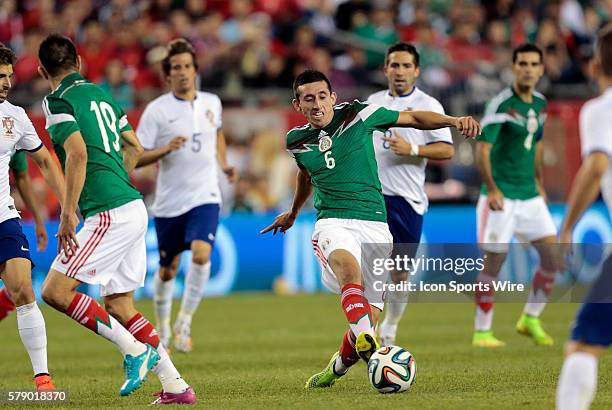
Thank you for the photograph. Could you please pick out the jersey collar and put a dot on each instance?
(69, 79)
(403, 95)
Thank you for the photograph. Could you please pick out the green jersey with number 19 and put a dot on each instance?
(514, 128)
(79, 105)
(341, 162)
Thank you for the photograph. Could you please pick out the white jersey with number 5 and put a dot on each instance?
(405, 175)
(596, 136)
(16, 133)
(187, 177)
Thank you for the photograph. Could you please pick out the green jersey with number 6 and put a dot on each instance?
(341, 162)
(513, 127)
(79, 105)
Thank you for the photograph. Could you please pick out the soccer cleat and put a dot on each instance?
(44, 383)
(531, 326)
(182, 339)
(366, 345)
(186, 397)
(385, 336)
(485, 338)
(326, 378)
(136, 368)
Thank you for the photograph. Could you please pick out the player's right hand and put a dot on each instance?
(175, 143)
(66, 234)
(282, 222)
(468, 127)
(495, 200)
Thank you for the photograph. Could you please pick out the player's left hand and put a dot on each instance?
(41, 237)
(467, 126)
(398, 145)
(282, 222)
(66, 234)
(231, 173)
(565, 250)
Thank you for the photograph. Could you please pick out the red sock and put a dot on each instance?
(543, 281)
(87, 312)
(143, 330)
(6, 304)
(484, 297)
(356, 308)
(348, 354)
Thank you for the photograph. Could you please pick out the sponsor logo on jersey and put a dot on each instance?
(8, 124)
(353, 306)
(211, 237)
(91, 272)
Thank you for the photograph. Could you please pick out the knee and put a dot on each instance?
(345, 267)
(167, 273)
(51, 296)
(200, 258)
(23, 296)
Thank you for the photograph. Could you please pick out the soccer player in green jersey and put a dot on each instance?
(335, 155)
(97, 147)
(513, 200)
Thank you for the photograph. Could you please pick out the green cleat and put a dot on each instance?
(366, 345)
(531, 326)
(326, 378)
(486, 339)
(136, 368)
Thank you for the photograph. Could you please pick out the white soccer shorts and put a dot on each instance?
(112, 250)
(528, 219)
(350, 234)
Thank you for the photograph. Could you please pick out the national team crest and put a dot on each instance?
(211, 117)
(325, 143)
(8, 124)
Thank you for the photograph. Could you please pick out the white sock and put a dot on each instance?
(120, 336)
(539, 292)
(394, 311)
(195, 282)
(483, 320)
(162, 299)
(339, 366)
(577, 382)
(31, 325)
(170, 378)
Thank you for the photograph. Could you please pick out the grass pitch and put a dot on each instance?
(257, 350)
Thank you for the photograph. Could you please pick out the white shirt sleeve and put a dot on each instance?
(595, 134)
(29, 141)
(148, 128)
(439, 135)
(219, 113)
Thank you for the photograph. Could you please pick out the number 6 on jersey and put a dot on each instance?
(330, 162)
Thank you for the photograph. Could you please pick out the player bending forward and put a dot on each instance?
(97, 147)
(335, 155)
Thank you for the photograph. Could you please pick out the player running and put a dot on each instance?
(335, 155)
(512, 200)
(19, 166)
(401, 154)
(182, 130)
(97, 147)
(18, 133)
(592, 331)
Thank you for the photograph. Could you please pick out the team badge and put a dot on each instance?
(325, 143)
(211, 117)
(8, 124)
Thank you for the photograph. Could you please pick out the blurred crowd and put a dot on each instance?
(247, 46)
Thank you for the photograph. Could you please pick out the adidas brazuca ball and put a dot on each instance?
(392, 369)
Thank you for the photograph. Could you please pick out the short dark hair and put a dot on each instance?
(604, 49)
(7, 56)
(178, 46)
(527, 48)
(57, 54)
(307, 77)
(409, 48)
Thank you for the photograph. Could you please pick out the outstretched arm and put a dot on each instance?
(429, 120)
(436, 150)
(302, 191)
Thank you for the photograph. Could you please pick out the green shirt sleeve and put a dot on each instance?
(61, 120)
(18, 162)
(491, 123)
(376, 117)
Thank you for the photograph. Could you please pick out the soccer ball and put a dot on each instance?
(392, 369)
